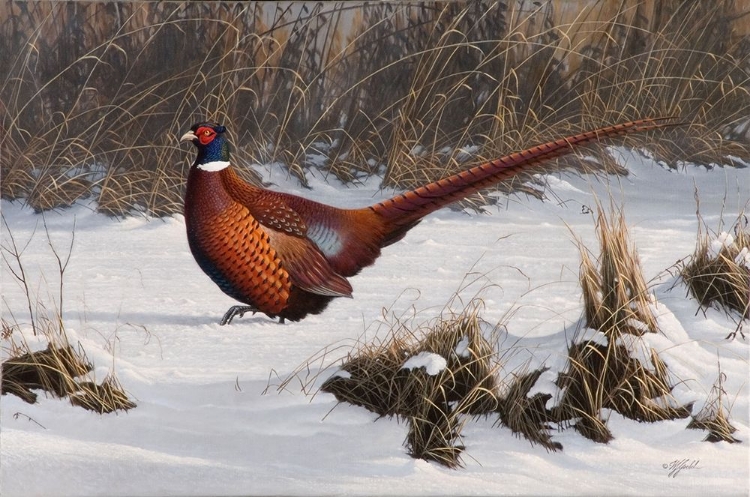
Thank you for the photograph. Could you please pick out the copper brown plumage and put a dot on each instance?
(287, 256)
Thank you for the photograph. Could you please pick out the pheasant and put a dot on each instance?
(287, 256)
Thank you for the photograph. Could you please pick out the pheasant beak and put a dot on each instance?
(188, 137)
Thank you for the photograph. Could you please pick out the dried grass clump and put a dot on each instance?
(713, 416)
(434, 426)
(436, 377)
(718, 272)
(607, 376)
(373, 379)
(57, 370)
(527, 416)
(60, 369)
(615, 296)
(107, 396)
(53, 369)
(431, 381)
(615, 369)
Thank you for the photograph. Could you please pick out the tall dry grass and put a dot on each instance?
(609, 365)
(61, 369)
(94, 94)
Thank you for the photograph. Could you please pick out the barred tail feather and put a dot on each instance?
(404, 211)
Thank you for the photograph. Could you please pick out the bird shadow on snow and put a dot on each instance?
(165, 317)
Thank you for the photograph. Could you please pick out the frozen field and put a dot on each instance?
(211, 419)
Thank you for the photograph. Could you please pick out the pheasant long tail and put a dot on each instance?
(403, 211)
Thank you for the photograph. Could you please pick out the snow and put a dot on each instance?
(723, 241)
(236, 409)
(743, 258)
(591, 335)
(462, 348)
(432, 363)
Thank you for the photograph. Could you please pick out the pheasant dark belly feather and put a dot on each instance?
(288, 257)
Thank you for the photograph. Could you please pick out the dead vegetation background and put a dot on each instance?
(94, 94)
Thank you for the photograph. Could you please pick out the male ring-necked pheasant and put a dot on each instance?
(287, 256)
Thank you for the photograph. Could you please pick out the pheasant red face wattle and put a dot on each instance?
(205, 135)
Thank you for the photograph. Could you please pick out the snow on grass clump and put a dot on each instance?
(432, 363)
(718, 272)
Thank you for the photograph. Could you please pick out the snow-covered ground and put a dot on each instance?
(212, 420)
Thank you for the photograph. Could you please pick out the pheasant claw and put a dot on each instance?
(238, 311)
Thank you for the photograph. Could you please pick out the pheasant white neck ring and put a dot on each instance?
(213, 166)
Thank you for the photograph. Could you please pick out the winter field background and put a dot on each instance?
(347, 104)
(211, 420)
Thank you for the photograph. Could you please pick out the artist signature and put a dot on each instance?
(678, 465)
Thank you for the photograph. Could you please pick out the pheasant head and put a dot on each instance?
(213, 148)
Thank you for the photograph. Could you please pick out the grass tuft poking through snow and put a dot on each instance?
(436, 377)
(60, 369)
(430, 377)
(612, 372)
(53, 369)
(527, 415)
(713, 418)
(718, 272)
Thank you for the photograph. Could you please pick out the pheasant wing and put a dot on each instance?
(307, 267)
(341, 241)
(300, 256)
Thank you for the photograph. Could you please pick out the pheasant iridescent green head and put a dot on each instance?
(213, 148)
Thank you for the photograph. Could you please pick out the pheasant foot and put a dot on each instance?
(236, 311)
